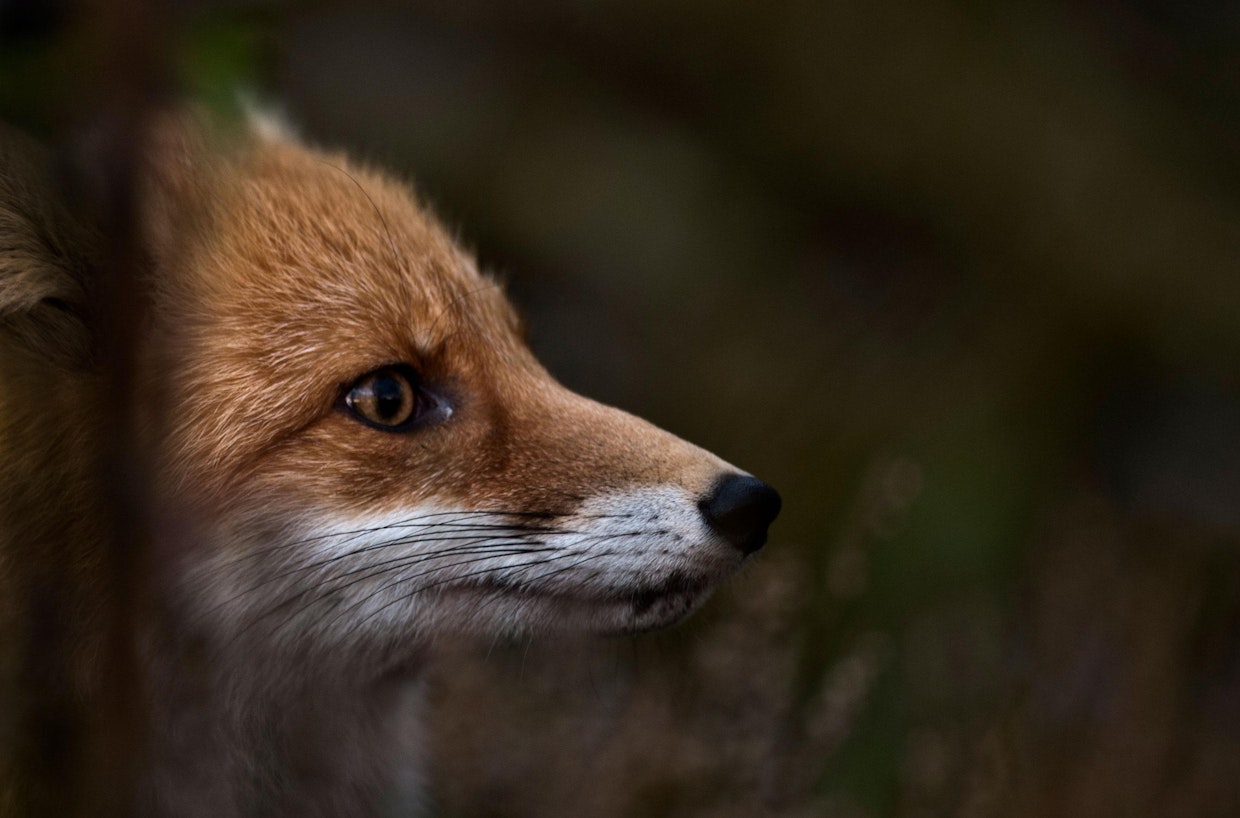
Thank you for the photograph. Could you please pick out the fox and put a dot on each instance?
(352, 452)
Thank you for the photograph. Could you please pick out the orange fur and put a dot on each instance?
(318, 551)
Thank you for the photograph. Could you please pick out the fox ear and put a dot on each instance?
(132, 179)
(62, 213)
(267, 122)
(60, 210)
(52, 250)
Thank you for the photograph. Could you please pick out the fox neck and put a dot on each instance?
(236, 740)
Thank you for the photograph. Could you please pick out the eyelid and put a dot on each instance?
(405, 370)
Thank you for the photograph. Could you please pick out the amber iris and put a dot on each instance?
(384, 398)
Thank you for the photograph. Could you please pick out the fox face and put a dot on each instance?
(346, 411)
(351, 450)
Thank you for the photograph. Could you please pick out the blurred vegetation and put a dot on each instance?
(959, 278)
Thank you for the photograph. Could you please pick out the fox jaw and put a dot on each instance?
(371, 454)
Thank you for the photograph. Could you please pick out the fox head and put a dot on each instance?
(346, 410)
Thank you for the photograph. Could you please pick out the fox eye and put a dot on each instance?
(385, 398)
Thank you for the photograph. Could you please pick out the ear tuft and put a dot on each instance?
(266, 121)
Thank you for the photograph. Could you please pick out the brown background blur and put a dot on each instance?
(960, 279)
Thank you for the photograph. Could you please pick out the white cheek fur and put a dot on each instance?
(430, 568)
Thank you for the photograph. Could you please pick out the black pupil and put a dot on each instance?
(389, 397)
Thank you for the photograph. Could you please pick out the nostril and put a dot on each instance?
(740, 508)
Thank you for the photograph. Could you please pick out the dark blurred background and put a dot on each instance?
(961, 279)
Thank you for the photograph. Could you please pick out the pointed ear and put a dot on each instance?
(51, 255)
(130, 179)
(61, 215)
(266, 121)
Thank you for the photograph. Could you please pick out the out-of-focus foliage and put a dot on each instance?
(961, 279)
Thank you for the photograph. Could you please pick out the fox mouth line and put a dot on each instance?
(678, 585)
(680, 590)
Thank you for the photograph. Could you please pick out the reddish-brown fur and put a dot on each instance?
(278, 277)
(360, 276)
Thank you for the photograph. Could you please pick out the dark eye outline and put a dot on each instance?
(426, 407)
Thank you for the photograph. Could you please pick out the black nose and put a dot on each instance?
(740, 508)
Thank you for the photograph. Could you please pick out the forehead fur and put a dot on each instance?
(286, 274)
(311, 236)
